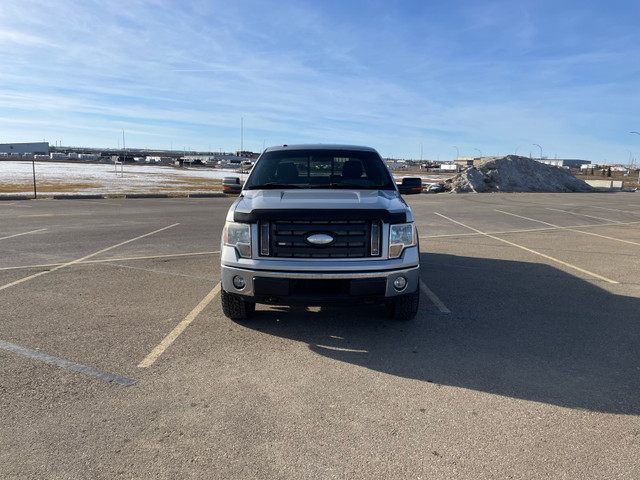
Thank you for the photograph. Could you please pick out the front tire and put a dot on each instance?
(235, 307)
(404, 308)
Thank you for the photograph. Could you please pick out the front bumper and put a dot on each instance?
(289, 288)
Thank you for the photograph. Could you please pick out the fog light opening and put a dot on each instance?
(239, 282)
(400, 283)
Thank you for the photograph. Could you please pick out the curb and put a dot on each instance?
(77, 197)
(146, 195)
(111, 196)
(206, 195)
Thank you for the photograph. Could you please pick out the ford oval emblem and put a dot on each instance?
(320, 239)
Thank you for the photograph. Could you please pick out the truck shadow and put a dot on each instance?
(522, 330)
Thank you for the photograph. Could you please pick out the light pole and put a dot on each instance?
(540, 149)
(35, 193)
(124, 158)
(478, 151)
(457, 152)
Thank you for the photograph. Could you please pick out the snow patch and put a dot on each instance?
(107, 179)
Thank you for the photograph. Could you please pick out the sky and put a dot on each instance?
(422, 79)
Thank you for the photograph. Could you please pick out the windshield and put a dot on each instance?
(320, 169)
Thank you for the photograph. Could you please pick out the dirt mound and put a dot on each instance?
(515, 174)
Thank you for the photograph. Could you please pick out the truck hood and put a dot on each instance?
(252, 202)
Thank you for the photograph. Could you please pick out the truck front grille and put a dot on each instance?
(294, 238)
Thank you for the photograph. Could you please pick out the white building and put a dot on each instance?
(37, 148)
(566, 162)
(449, 167)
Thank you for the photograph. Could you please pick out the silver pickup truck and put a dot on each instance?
(318, 224)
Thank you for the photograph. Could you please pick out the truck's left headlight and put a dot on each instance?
(238, 235)
(401, 236)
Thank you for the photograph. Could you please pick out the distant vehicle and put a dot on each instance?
(231, 185)
(435, 188)
(410, 185)
(317, 224)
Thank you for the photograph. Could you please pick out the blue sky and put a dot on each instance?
(405, 77)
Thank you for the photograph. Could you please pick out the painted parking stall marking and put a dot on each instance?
(578, 214)
(177, 331)
(548, 257)
(434, 299)
(80, 260)
(529, 230)
(25, 233)
(109, 260)
(69, 365)
(571, 229)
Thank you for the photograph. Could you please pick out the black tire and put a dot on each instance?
(234, 307)
(404, 308)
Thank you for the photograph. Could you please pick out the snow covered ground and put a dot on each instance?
(57, 178)
(72, 178)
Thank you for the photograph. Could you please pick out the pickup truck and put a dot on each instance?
(318, 224)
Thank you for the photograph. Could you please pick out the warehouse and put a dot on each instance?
(18, 149)
(571, 162)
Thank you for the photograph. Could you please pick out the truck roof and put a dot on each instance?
(321, 146)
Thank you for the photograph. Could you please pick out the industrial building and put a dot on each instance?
(19, 149)
(568, 163)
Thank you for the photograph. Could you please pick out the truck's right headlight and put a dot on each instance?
(238, 235)
(401, 236)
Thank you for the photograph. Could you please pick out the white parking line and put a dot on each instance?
(177, 331)
(341, 349)
(473, 234)
(83, 214)
(25, 233)
(432, 296)
(613, 209)
(96, 202)
(571, 229)
(120, 259)
(548, 257)
(79, 260)
(160, 272)
(69, 365)
(579, 214)
(528, 230)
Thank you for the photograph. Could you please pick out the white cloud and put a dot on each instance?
(486, 75)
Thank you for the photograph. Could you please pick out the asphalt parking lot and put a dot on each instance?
(523, 362)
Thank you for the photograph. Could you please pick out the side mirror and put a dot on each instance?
(410, 185)
(231, 185)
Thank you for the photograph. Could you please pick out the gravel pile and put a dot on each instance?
(515, 174)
